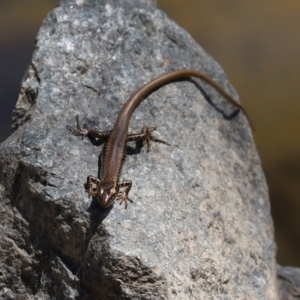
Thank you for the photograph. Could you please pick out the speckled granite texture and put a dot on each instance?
(200, 225)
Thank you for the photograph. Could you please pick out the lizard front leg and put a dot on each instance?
(91, 185)
(123, 196)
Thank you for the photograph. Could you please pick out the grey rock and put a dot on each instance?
(288, 282)
(200, 225)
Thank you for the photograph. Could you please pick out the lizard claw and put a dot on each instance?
(123, 197)
(147, 131)
(79, 131)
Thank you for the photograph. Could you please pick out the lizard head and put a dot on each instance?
(107, 193)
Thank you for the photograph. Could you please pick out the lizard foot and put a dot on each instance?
(148, 136)
(123, 197)
(79, 131)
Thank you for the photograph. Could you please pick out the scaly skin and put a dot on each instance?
(107, 189)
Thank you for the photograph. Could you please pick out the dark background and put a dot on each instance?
(257, 43)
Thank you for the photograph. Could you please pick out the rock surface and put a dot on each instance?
(200, 225)
(289, 283)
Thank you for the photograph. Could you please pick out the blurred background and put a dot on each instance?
(258, 45)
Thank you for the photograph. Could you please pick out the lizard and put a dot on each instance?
(107, 188)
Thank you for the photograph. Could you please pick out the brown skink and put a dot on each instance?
(107, 188)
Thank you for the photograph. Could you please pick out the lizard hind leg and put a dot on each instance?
(147, 131)
(79, 131)
(85, 131)
(146, 136)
